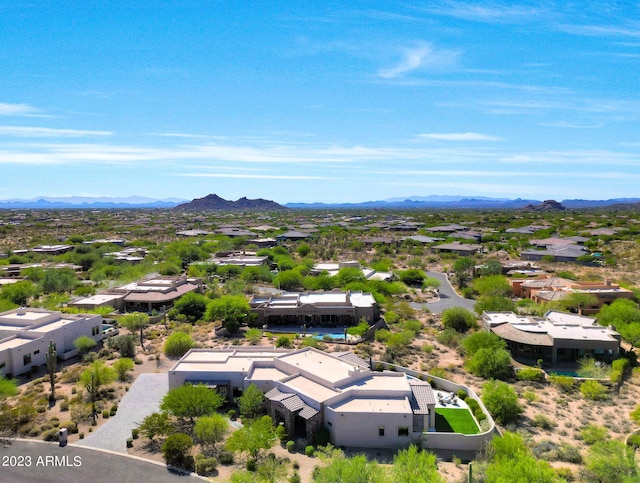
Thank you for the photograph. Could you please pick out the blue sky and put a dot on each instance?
(319, 100)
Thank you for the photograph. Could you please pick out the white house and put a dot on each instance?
(307, 389)
(25, 334)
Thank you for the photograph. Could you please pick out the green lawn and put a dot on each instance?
(449, 420)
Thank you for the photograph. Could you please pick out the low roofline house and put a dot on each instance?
(331, 309)
(458, 248)
(556, 337)
(146, 295)
(307, 389)
(25, 334)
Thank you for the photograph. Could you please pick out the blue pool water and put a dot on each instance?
(333, 336)
(564, 373)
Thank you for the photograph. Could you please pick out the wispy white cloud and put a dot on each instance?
(249, 176)
(601, 30)
(17, 109)
(420, 56)
(459, 136)
(572, 125)
(489, 12)
(45, 132)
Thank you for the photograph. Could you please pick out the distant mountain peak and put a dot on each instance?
(215, 202)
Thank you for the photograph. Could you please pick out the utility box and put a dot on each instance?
(62, 437)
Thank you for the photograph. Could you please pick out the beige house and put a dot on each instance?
(153, 293)
(25, 334)
(556, 337)
(307, 389)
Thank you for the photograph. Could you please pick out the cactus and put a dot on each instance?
(52, 362)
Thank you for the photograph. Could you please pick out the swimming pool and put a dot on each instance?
(564, 373)
(332, 336)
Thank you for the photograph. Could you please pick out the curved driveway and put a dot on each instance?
(448, 297)
(40, 462)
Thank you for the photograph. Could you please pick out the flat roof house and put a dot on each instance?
(153, 293)
(556, 337)
(333, 309)
(25, 334)
(458, 248)
(307, 389)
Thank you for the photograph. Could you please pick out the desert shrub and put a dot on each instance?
(106, 413)
(281, 432)
(490, 363)
(64, 405)
(251, 465)
(231, 414)
(462, 394)
(309, 451)
(502, 401)
(530, 374)
(322, 437)
(592, 433)
(226, 458)
(530, 396)
(283, 341)
(543, 421)
(177, 344)
(563, 382)
(50, 435)
(593, 390)
(206, 466)
(72, 428)
(291, 446)
(459, 319)
(449, 338)
(175, 449)
(634, 440)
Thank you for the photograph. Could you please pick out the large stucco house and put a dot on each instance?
(25, 334)
(332, 309)
(308, 389)
(556, 337)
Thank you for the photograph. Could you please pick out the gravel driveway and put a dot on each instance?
(142, 399)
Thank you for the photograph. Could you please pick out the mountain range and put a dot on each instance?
(214, 202)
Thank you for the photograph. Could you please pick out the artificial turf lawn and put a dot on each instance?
(449, 420)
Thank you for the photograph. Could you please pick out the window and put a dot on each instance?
(26, 359)
(403, 431)
(36, 352)
(380, 430)
(95, 330)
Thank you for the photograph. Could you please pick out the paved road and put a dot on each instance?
(40, 462)
(448, 297)
(142, 399)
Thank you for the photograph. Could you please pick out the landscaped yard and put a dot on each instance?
(449, 420)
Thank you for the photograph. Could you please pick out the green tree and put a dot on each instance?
(458, 318)
(502, 401)
(154, 425)
(490, 363)
(494, 303)
(482, 339)
(490, 267)
(461, 268)
(58, 280)
(8, 387)
(620, 313)
(593, 390)
(304, 250)
(176, 448)
(414, 465)
(577, 302)
(257, 435)
(210, 430)
(492, 285)
(232, 310)
(93, 378)
(611, 461)
(250, 403)
(122, 366)
(288, 280)
(84, 344)
(192, 305)
(189, 401)
(178, 344)
(412, 277)
(135, 321)
(356, 469)
(19, 293)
